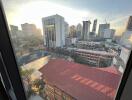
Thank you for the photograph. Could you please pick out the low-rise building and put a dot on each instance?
(95, 58)
(67, 80)
(88, 44)
(68, 41)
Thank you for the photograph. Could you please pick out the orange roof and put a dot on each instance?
(82, 82)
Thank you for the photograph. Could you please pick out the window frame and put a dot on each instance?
(9, 59)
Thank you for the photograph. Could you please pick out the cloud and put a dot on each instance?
(34, 11)
(119, 23)
(74, 11)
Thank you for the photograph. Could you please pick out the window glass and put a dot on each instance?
(70, 49)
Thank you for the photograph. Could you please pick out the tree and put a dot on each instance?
(39, 84)
(72, 31)
(26, 74)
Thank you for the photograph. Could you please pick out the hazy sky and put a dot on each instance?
(74, 11)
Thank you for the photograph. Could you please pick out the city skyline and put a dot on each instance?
(71, 13)
(66, 48)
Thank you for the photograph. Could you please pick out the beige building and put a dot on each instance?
(95, 58)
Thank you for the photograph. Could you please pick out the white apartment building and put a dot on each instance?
(54, 31)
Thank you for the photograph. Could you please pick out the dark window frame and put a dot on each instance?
(8, 56)
(9, 59)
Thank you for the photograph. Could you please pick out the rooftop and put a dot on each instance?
(96, 52)
(52, 16)
(88, 42)
(82, 82)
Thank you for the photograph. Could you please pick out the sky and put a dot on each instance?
(115, 12)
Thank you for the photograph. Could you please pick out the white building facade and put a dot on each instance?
(54, 31)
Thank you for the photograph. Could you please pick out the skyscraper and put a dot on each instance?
(94, 26)
(13, 28)
(66, 29)
(86, 29)
(126, 39)
(14, 31)
(29, 28)
(129, 24)
(54, 31)
(79, 31)
(109, 33)
(102, 27)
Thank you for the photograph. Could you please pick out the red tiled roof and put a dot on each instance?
(82, 82)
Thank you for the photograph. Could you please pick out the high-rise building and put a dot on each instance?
(66, 29)
(102, 27)
(86, 29)
(29, 28)
(79, 31)
(109, 33)
(126, 39)
(14, 30)
(94, 26)
(129, 24)
(54, 31)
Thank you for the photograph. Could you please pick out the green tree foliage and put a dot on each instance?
(38, 83)
(26, 74)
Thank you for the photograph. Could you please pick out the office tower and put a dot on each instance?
(54, 31)
(13, 28)
(129, 24)
(66, 26)
(126, 39)
(102, 27)
(79, 31)
(94, 26)
(86, 29)
(28, 28)
(109, 33)
(13, 31)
